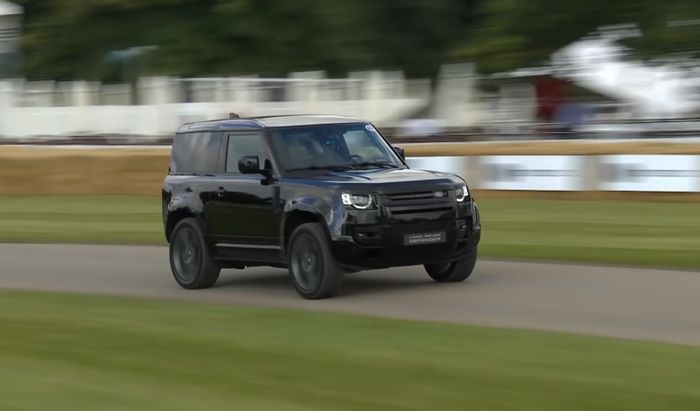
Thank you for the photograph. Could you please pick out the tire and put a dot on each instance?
(452, 272)
(190, 261)
(312, 269)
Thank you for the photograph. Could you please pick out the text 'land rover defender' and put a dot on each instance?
(319, 195)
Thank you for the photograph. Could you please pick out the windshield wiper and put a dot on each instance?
(381, 164)
(332, 167)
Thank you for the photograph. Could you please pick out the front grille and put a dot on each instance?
(423, 195)
(433, 204)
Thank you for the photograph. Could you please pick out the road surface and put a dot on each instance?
(621, 302)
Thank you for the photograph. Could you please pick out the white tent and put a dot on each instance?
(606, 67)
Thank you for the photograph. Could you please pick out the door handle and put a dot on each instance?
(220, 191)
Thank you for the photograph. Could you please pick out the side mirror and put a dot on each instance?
(249, 165)
(400, 151)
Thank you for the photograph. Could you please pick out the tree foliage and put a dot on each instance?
(70, 38)
(516, 33)
(67, 39)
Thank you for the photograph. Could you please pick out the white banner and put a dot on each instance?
(540, 173)
(672, 173)
(457, 165)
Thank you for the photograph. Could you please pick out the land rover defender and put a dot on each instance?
(320, 195)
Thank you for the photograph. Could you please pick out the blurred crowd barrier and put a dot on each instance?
(453, 107)
(525, 167)
(158, 106)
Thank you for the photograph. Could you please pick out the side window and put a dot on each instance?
(195, 153)
(244, 144)
(205, 150)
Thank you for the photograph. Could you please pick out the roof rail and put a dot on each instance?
(236, 116)
(294, 115)
(275, 115)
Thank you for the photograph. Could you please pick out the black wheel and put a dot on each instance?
(312, 270)
(455, 271)
(190, 262)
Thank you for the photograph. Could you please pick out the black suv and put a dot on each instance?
(321, 195)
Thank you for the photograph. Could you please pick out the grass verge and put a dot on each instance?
(618, 232)
(81, 219)
(67, 352)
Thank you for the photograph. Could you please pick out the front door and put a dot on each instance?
(246, 213)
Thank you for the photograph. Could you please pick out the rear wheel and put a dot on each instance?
(312, 269)
(190, 261)
(455, 271)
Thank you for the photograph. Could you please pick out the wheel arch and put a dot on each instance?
(297, 217)
(174, 217)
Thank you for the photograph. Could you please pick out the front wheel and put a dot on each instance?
(312, 269)
(455, 271)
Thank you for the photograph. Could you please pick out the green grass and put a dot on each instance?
(640, 233)
(621, 232)
(67, 352)
(81, 219)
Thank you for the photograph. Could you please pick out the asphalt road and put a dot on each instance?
(621, 302)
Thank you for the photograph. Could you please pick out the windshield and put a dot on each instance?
(332, 146)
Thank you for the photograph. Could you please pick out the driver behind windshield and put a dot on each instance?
(331, 146)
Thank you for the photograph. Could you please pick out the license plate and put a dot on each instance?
(424, 238)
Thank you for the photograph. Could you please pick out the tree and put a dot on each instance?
(70, 38)
(515, 33)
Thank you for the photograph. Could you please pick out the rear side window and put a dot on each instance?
(195, 153)
(244, 144)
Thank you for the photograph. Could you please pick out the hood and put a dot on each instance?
(397, 177)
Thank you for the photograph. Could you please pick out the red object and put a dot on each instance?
(550, 94)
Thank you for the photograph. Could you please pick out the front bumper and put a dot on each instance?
(382, 244)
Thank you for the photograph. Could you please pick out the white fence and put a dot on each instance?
(643, 173)
(159, 105)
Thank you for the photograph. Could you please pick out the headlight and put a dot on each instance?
(359, 201)
(462, 194)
